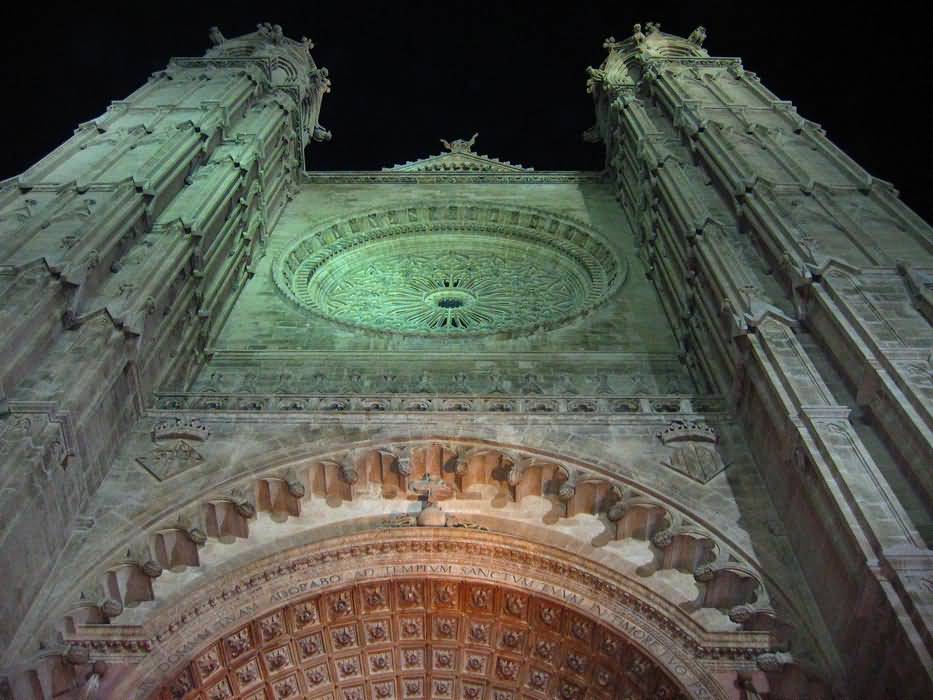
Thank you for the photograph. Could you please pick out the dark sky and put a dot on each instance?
(406, 74)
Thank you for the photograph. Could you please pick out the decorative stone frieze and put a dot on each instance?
(624, 623)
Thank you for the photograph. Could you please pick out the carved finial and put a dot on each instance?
(307, 43)
(272, 32)
(697, 36)
(638, 36)
(216, 37)
(460, 145)
(653, 27)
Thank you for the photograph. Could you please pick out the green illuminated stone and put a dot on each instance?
(444, 273)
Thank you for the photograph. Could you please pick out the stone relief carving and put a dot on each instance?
(694, 450)
(165, 461)
(697, 36)
(695, 457)
(397, 278)
(459, 158)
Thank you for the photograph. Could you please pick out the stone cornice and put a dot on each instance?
(420, 404)
(367, 177)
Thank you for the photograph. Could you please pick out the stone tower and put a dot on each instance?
(459, 429)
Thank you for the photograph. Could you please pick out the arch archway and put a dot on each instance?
(552, 527)
(422, 637)
(321, 591)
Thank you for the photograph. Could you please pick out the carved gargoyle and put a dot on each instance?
(697, 36)
(320, 134)
(637, 35)
(460, 145)
(216, 37)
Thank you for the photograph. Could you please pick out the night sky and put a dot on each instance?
(406, 74)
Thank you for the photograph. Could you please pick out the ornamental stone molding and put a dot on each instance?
(753, 224)
(453, 177)
(467, 268)
(459, 158)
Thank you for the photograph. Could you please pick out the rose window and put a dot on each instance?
(445, 272)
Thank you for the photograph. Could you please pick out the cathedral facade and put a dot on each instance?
(458, 429)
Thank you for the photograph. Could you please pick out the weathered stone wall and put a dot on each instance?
(120, 253)
(779, 258)
(257, 483)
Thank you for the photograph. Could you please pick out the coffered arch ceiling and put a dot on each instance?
(421, 637)
(323, 600)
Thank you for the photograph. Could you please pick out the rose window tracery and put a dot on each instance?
(458, 270)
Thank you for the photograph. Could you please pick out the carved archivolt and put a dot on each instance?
(421, 637)
(384, 593)
(405, 472)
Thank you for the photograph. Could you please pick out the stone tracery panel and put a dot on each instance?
(463, 269)
(417, 639)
